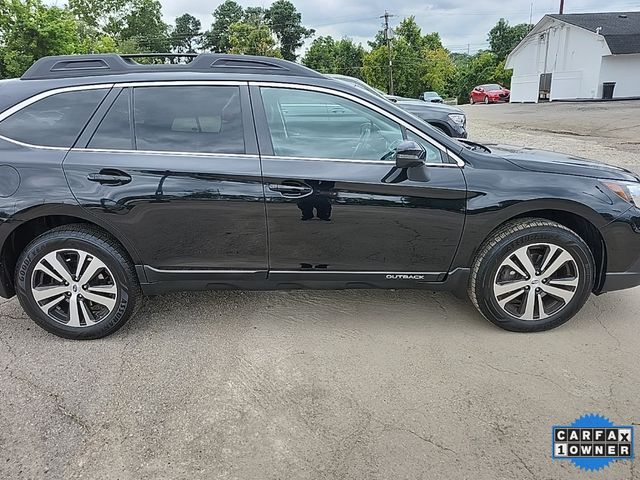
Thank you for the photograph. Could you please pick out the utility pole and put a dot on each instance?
(387, 38)
(561, 7)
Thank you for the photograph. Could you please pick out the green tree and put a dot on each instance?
(411, 32)
(327, 55)
(432, 41)
(97, 13)
(217, 38)
(29, 29)
(502, 75)
(405, 62)
(254, 15)
(252, 36)
(321, 55)
(186, 35)
(286, 23)
(480, 69)
(143, 23)
(439, 71)
(503, 38)
(348, 58)
(378, 41)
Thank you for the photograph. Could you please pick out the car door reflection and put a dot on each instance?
(318, 204)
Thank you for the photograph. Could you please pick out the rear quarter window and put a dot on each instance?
(54, 121)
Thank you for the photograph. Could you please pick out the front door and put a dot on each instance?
(335, 201)
(175, 170)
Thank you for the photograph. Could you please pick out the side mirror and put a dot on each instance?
(409, 154)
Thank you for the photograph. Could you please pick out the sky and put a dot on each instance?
(463, 25)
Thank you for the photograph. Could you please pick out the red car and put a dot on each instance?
(489, 93)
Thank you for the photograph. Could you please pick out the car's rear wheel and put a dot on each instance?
(77, 282)
(471, 101)
(531, 275)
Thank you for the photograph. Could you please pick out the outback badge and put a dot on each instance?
(404, 277)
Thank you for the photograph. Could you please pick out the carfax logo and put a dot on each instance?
(592, 442)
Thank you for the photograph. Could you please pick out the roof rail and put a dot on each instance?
(69, 66)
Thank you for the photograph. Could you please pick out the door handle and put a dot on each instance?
(291, 190)
(109, 177)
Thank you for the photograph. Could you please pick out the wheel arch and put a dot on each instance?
(23, 228)
(586, 230)
(581, 223)
(442, 126)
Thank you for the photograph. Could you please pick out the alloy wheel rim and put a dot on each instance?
(74, 288)
(536, 281)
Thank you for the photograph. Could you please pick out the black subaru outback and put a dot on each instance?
(119, 179)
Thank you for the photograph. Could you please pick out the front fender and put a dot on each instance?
(495, 197)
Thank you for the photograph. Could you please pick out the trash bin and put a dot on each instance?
(607, 90)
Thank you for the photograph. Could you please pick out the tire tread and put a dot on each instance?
(500, 235)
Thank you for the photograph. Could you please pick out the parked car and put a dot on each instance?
(450, 120)
(489, 93)
(432, 97)
(120, 179)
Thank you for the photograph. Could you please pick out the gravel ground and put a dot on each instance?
(324, 385)
(606, 131)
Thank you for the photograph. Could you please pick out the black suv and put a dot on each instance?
(119, 179)
(450, 120)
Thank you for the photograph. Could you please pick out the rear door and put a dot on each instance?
(337, 207)
(174, 168)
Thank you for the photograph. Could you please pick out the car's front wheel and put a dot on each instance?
(77, 282)
(531, 275)
(486, 100)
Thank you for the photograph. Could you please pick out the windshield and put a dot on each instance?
(431, 94)
(492, 87)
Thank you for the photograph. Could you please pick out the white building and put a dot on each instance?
(570, 57)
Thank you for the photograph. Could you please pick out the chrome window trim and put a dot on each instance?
(165, 152)
(182, 83)
(29, 145)
(42, 95)
(162, 83)
(350, 160)
(381, 111)
(77, 88)
(323, 159)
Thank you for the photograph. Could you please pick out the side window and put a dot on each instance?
(188, 119)
(314, 124)
(433, 154)
(114, 131)
(54, 121)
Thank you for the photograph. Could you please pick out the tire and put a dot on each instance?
(540, 293)
(471, 101)
(104, 288)
(486, 100)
